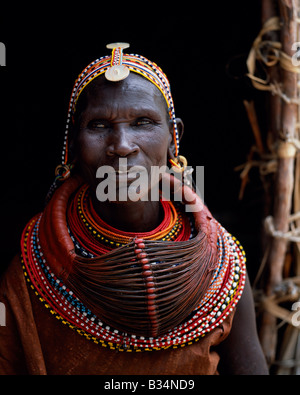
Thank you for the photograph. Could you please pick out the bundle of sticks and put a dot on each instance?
(276, 50)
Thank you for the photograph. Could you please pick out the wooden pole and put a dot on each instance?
(284, 178)
(268, 332)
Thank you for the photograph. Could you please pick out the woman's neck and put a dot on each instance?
(138, 217)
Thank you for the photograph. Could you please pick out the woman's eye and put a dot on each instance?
(97, 125)
(143, 122)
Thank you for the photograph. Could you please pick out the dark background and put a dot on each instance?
(202, 47)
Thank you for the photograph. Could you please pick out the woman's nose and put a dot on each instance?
(121, 142)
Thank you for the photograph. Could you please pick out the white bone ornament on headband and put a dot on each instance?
(117, 71)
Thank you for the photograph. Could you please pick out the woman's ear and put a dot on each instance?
(180, 130)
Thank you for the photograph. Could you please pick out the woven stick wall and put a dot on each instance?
(274, 68)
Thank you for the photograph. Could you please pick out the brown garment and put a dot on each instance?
(34, 342)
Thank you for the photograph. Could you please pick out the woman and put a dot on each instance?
(150, 288)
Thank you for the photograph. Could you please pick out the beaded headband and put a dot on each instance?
(116, 68)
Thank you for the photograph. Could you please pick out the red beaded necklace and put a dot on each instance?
(98, 237)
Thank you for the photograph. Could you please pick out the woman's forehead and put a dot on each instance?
(133, 83)
(134, 91)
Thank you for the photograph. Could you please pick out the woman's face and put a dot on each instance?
(121, 120)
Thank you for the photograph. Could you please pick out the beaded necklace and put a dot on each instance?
(95, 236)
(224, 291)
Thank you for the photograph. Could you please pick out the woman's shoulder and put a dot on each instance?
(12, 277)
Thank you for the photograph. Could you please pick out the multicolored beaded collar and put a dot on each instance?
(217, 303)
(92, 236)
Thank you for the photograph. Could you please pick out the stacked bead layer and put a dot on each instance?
(218, 302)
